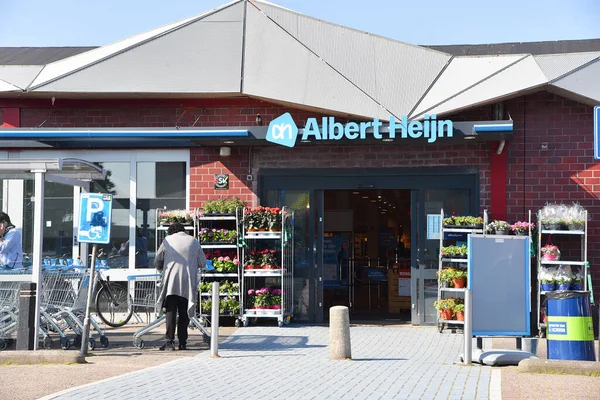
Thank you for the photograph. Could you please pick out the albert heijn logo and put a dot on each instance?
(283, 131)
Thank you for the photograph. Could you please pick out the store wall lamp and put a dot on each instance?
(225, 151)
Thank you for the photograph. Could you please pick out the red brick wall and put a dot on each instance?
(1, 116)
(565, 172)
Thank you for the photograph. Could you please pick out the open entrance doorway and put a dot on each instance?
(367, 254)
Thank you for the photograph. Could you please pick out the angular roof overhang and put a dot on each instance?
(257, 49)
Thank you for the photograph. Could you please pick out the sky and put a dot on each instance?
(95, 23)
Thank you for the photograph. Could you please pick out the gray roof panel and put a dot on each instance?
(37, 55)
(397, 79)
(201, 57)
(583, 82)
(19, 75)
(557, 65)
(285, 70)
(535, 48)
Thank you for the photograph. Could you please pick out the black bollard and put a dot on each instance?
(26, 334)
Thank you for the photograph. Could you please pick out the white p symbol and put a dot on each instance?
(93, 206)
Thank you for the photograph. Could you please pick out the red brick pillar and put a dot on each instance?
(498, 184)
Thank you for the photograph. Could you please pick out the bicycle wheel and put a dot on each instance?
(112, 306)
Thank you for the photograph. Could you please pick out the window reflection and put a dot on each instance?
(160, 185)
(299, 201)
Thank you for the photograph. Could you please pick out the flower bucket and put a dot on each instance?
(502, 232)
(460, 316)
(552, 226)
(563, 286)
(576, 286)
(550, 257)
(446, 314)
(459, 283)
(521, 233)
(575, 227)
(547, 287)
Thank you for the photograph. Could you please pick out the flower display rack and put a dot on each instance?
(453, 267)
(267, 267)
(164, 219)
(219, 234)
(560, 227)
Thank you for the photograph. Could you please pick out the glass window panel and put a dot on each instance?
(299, 201)
(116, 181)
(453, 201)
(160, 185)
(58, 219)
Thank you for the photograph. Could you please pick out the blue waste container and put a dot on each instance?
(569, 326)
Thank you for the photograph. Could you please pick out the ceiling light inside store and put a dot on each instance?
(365, 197)
(470, 137)
(355, 192)
(373, 201)
(387, 140)
(305, 141)
(228, 142)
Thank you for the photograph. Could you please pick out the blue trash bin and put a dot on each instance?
(569, 326)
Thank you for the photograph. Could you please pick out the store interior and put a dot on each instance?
(367, 253)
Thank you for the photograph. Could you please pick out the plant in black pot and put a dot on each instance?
(499, 227)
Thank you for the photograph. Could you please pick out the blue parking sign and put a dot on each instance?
(596, 133)
(95, 211)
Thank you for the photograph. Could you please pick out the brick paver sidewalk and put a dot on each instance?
(292, 363)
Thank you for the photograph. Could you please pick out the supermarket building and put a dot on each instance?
(166, 110)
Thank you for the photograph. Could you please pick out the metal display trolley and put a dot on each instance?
(164, 218)
(267, 277)
(219, 236)
(453, 261)
(563, 235)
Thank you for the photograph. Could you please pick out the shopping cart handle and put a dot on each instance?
(134, 277)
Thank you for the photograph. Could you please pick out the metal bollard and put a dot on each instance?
(339, 333)
(468, 331)
(214, 334)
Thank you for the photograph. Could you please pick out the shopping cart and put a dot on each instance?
(10, 283)
(62, 304)
(146, 289)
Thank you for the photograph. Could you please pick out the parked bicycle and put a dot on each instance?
(113, 304)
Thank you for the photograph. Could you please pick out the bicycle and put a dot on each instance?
(112, 302)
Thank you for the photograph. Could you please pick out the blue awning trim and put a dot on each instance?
(86, 133)
(493, 128)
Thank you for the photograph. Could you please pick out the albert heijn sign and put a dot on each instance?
(596, 132)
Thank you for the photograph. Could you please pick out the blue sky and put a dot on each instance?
(84, 22)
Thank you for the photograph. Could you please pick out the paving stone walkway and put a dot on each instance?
(293, 363)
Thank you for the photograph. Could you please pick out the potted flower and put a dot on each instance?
(551, 215)
(547, 281)
(499, 227)
(563, 283)
(226, 264)
(262, 298)
(269, 259)
(276, 299)
(449, 251)
(550, 253)
(459, 310)
(459, 278)
(274, 219)
(256, 219)
(522, 228)
(445, 308)
(251, 260)
(206, 306)
(222, 206)
(445, 276)
(577, 282)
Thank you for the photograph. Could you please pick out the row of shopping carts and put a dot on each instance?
(62, 300)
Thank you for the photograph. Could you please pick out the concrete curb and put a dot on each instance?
(41, 357)
(560, 366)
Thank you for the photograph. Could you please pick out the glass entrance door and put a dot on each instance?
(425, 254)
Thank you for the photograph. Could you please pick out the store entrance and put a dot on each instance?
(367, 253)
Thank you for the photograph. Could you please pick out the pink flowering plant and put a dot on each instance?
(522, 226)
(265, 298)
(550, 252)
(226, 264)
(207, 235)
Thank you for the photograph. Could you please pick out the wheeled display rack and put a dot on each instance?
(231, 291)
(446, 262)
(162, 227)
(279, 278)
(580, 264)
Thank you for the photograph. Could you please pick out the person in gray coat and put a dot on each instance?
(181, 257)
